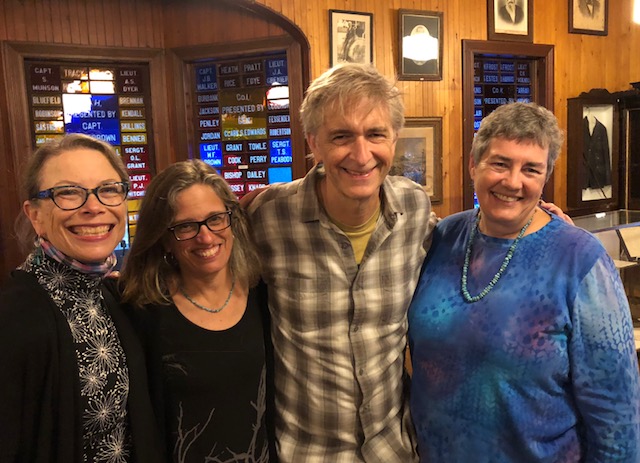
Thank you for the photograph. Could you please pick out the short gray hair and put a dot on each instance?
(340, 86)
(522, 122)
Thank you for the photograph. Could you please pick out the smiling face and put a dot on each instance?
(209, 252)
(508, 181)
(357, 151)
(88, 234)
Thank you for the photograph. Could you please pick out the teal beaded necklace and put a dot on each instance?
(467, 256)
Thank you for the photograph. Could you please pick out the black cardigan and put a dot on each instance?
(40, 419)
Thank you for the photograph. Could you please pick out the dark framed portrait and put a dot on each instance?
(418, 154)
(510, 20)
(588, 17)
(592, 152)
(350, 37)
(419, 45)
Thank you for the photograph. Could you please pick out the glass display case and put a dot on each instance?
(606, 221)
(619, 232)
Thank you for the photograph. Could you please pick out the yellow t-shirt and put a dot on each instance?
(359, 235)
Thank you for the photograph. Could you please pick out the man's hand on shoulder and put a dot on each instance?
(247, 199)
(556, 210)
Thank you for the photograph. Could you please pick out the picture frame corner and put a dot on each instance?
(430, 130)
(363, 51)
(598, 30)
(404, 22)
(494, 34)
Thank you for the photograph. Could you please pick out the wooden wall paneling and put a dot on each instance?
(126, 12)
(16, 20)
(320, 50)
(27, 17)
(44, 25)
(453, 155)
(17, 105)
(280, 6)
(147, 13)
(385, 45)
(135, 31)
(257, 25)
(128, 30)
(83, 36)
(144, 13)
(314, 32)
(104, 23)
(9, 205)
(14, 152)
(625, 51)
(61, 21)
(297, 85)
(284, 8)
(172, 24)
(161, 122)
(110, 16)
(54, 12)
(74, 20)
(6, 26)
(181, 109)
(298, 12)
(94, 23)
(62, 31)
(156, 26)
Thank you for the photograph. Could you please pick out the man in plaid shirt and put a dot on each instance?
(342, 251)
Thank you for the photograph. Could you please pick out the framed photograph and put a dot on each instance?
(351, 37)
(510, 20)
(592, 152)
(588, 16)
(419, 45)
(419, 154)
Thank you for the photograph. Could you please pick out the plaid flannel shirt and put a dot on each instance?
(339, 329)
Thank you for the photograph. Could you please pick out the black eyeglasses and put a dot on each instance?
(72, 197)
(189, 230)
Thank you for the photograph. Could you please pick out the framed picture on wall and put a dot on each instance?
(350, 37)
(510, 20)
(419, 154)
(588, 16)
(420, 45)
(592, 152)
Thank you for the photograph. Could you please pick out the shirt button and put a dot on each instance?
(361, 371)
(356, 328)
(345, 246)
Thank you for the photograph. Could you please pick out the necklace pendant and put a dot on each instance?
(207, 309)
(505, 263)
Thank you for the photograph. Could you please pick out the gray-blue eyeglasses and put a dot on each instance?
(72, 197)
(189, 230)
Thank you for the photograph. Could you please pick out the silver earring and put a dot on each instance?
(38, 253)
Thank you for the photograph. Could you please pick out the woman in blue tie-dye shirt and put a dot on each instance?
(520, 330)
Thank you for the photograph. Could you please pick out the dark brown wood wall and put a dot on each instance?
(582, 62)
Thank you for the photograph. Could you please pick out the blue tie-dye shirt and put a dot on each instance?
(542, 369)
